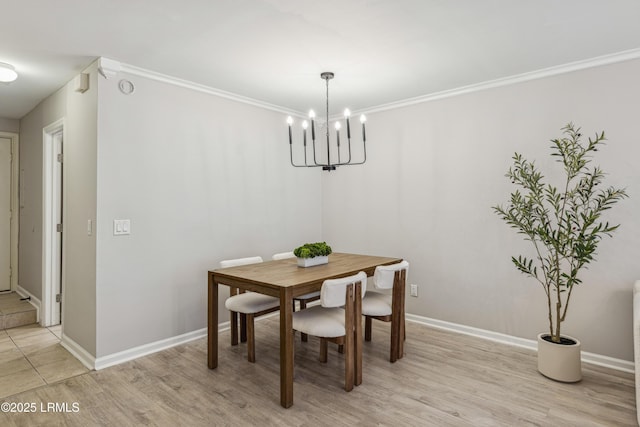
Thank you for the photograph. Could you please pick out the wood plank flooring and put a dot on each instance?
(444, 379)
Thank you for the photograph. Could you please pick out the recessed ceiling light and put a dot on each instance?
(7, 73)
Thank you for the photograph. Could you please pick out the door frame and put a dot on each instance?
(52, 251)
(15, 205)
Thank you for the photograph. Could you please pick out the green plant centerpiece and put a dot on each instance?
(311, 254)
(312, 250)
(564, 223)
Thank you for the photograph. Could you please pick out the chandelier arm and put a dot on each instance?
(349, 145)
(364, 146)
(291, 155)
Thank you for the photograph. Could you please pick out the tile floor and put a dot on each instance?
(31, 356)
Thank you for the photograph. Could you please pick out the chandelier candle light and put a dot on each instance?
(328, 166)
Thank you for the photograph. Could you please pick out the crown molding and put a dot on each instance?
(626, 55)
(110, 68)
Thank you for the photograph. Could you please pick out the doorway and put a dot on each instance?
(8, 211)
(52, 227)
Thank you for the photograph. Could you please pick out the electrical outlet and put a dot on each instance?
(413, 289)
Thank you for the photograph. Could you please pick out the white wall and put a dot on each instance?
(9, 125)
(79, 193)
(202, 179)
(30, 235)
(434, 171)
(79, 201)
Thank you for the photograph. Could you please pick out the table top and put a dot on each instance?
(275, 275)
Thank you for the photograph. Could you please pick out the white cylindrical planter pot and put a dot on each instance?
(560, 362)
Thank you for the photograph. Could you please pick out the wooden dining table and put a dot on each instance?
(285, 280)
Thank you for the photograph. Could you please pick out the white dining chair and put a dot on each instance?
(337, 320)
(379, 304)
(250, 305)
(303, 300)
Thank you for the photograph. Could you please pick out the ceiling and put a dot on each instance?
(273, 51)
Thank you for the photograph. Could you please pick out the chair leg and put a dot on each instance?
(234, 327)
(397, 317)
(367, 328)
(402, 333)
(243, 327)
(349, 362)
(402, 336)
(395, 341)
(357, 337)
(303, 336)
(393, 354)
(251, 343)
(323, 350)
(397, 337)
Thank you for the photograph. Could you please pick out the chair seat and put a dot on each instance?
(376, 304)
(251, 302)
(310, 295)
(320, 321)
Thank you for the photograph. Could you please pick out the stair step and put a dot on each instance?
(14, 312)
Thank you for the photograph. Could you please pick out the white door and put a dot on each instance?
(5, 213)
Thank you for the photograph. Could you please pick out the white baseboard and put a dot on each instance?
(33, 301)
(78, 352)
(124, 356)
(146, 349)
(91, 362)
(143, 350)
(592, 358)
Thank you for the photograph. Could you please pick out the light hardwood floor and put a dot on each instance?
(445, 379)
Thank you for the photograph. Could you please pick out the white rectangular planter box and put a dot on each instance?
(310, 262)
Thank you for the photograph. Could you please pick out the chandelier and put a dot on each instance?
(334, 151)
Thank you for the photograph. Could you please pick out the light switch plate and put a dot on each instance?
(121, 227)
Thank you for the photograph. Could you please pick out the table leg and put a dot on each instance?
(401, 321)
(212, 323)
(357, 330)
(286, 348)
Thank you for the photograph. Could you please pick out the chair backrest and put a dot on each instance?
(333, 292)
(384, 274)
(240, 261)
(283, 255)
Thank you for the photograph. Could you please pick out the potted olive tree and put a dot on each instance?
(311, 254)
(564, 225)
